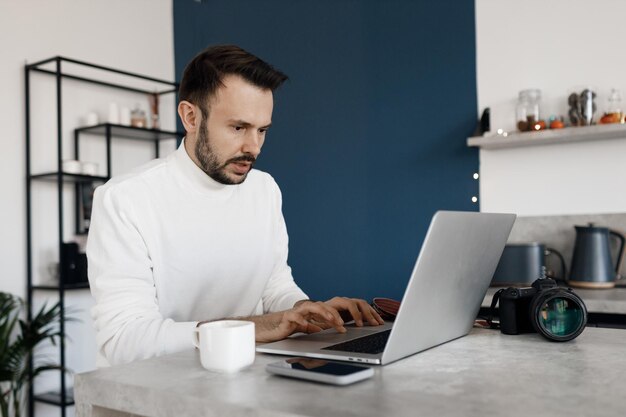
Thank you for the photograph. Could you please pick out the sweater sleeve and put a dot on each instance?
(129, 325)
(281, 292)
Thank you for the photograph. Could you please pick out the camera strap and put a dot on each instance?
(492, 310)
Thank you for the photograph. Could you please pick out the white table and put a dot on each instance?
(483, 374)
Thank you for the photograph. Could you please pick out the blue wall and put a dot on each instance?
(369, 134)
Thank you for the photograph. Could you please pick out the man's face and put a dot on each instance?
(229, 141)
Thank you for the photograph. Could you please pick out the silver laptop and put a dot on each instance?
(450, 278)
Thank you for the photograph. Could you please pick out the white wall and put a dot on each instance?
(132, 35)
(556, 46)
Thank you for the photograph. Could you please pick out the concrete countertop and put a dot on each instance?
(608, 301)
(483, 374)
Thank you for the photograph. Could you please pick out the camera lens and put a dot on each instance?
(558, 315)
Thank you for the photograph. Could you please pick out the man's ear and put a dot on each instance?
(189, 116)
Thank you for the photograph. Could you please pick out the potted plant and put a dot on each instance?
(18, 340)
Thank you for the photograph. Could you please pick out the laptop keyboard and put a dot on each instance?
(373, 343)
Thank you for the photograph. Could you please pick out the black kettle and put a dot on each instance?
(592, 266)
(523, 263)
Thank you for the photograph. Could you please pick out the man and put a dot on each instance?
(199, 235)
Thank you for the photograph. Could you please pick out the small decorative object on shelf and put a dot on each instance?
(71, 166)
(114, 113)
(154, 111)
(556, 122)
(85, 197)
(89, 168)
(138, 117)
(527, 109)
(582, 107)
(484, 124)
(613, 112)
(91, 119)
(125, 116)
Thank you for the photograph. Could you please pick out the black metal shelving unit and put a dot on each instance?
(56, 67)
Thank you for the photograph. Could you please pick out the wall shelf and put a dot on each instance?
(130, 132)
(71, 178)
(55, 398)
(66, 287)
(549, 137)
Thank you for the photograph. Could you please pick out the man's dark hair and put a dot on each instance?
(205, 73)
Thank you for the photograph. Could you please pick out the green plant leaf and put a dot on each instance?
(18, 340)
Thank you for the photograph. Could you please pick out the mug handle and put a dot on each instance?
(563, 277)
(196, 337)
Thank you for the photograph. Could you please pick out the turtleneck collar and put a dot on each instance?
(196, 177)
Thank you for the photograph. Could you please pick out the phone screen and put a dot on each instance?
(323, 367)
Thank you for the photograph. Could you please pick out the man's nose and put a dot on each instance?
(253, 143)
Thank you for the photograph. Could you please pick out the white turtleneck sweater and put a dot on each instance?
(168, 246)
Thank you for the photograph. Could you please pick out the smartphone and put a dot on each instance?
(319, 370)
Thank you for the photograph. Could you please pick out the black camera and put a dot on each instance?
(556, 313)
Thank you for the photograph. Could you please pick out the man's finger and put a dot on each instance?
(321, 324)
(368, 313)
(375, 313)
(352, 307)
(323, 313)
(313, 328)
(337, 321)
(333, 311)
(301, 324)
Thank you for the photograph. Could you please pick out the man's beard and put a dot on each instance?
(210, 163)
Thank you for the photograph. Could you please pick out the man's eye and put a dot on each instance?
(238, 128)
(263, 131)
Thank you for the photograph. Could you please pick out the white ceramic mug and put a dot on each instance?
(225, 345)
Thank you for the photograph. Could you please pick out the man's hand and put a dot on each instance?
(306, 317)
(349, 309)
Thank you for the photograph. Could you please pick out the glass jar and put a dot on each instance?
(527, 109)
(614, 108)
(138, 117)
